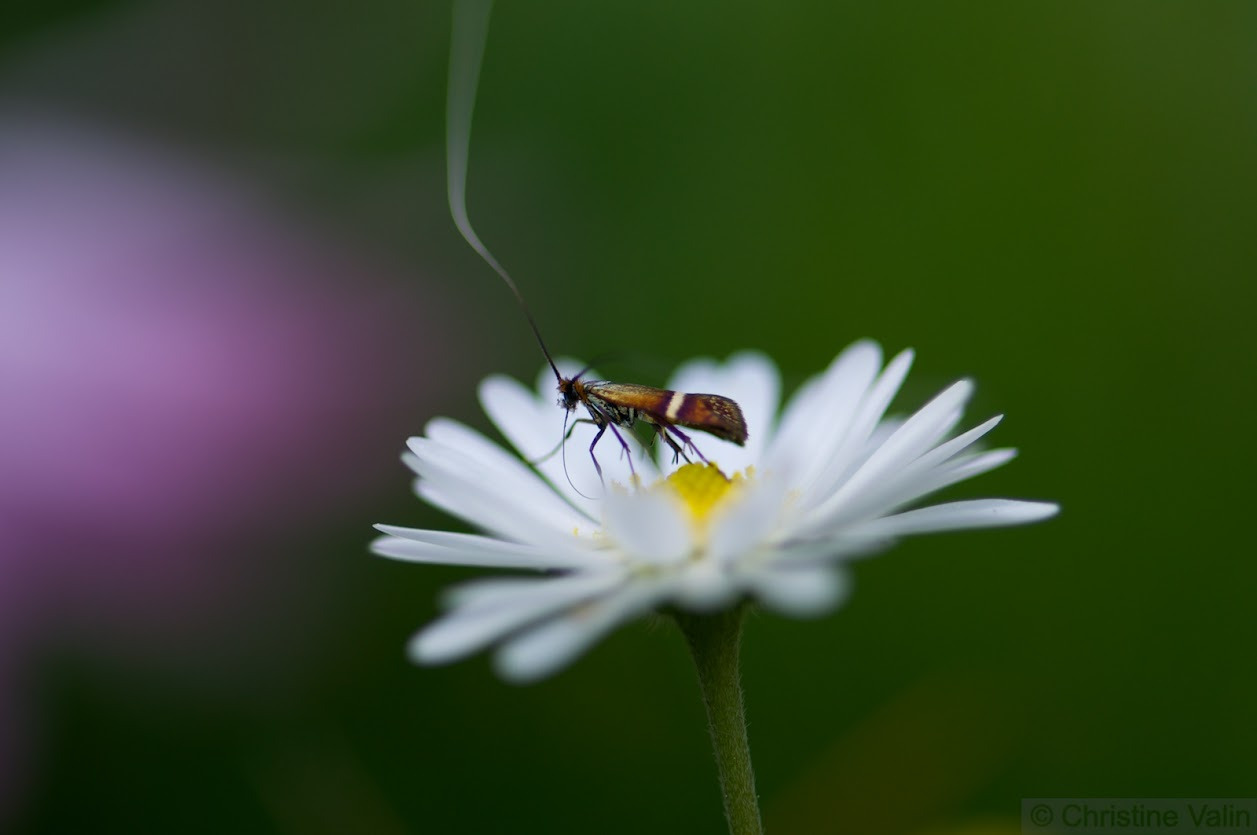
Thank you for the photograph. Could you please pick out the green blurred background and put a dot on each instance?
(1056, 199)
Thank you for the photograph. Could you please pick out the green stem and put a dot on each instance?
(714, 642)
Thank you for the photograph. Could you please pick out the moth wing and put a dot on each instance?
(711, 413)
(647, 399)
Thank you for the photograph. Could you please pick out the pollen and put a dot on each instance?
(701, 487)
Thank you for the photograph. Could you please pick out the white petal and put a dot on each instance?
(817, 418)
(649, 526)
(510, 501)
(958, 444)
(805, 591)
(853, 449)
(493, 513)
(845, 546)
(954, 471)
(529, 424)
(408, 550)
(914, 437)
(416, 545)
(461, 438)
(860, 493)
(473, 463)
(980, 513)
(747, 521)
(534, 425)
(517, 604)
(556, 643)
(490, 594)
(705, 586)
(929, 473)
(748, 378)
(497, 392)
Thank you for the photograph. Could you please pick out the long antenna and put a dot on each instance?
(471, 29)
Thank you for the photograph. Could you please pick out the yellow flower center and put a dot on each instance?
(701, 487)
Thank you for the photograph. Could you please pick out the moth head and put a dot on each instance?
(569, 392)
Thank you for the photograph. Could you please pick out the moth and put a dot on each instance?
(613, 406)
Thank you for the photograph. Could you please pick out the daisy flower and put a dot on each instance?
(829, 478)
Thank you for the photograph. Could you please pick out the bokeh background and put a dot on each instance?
(229, 289)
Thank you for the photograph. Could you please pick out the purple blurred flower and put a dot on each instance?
(181, 376)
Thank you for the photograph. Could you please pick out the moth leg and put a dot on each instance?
(677, 451)
(604, 420)
(628, 453)
(602, 427)
(686, 443)
(534, 462)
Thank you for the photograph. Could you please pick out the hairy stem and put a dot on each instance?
(714, 642)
